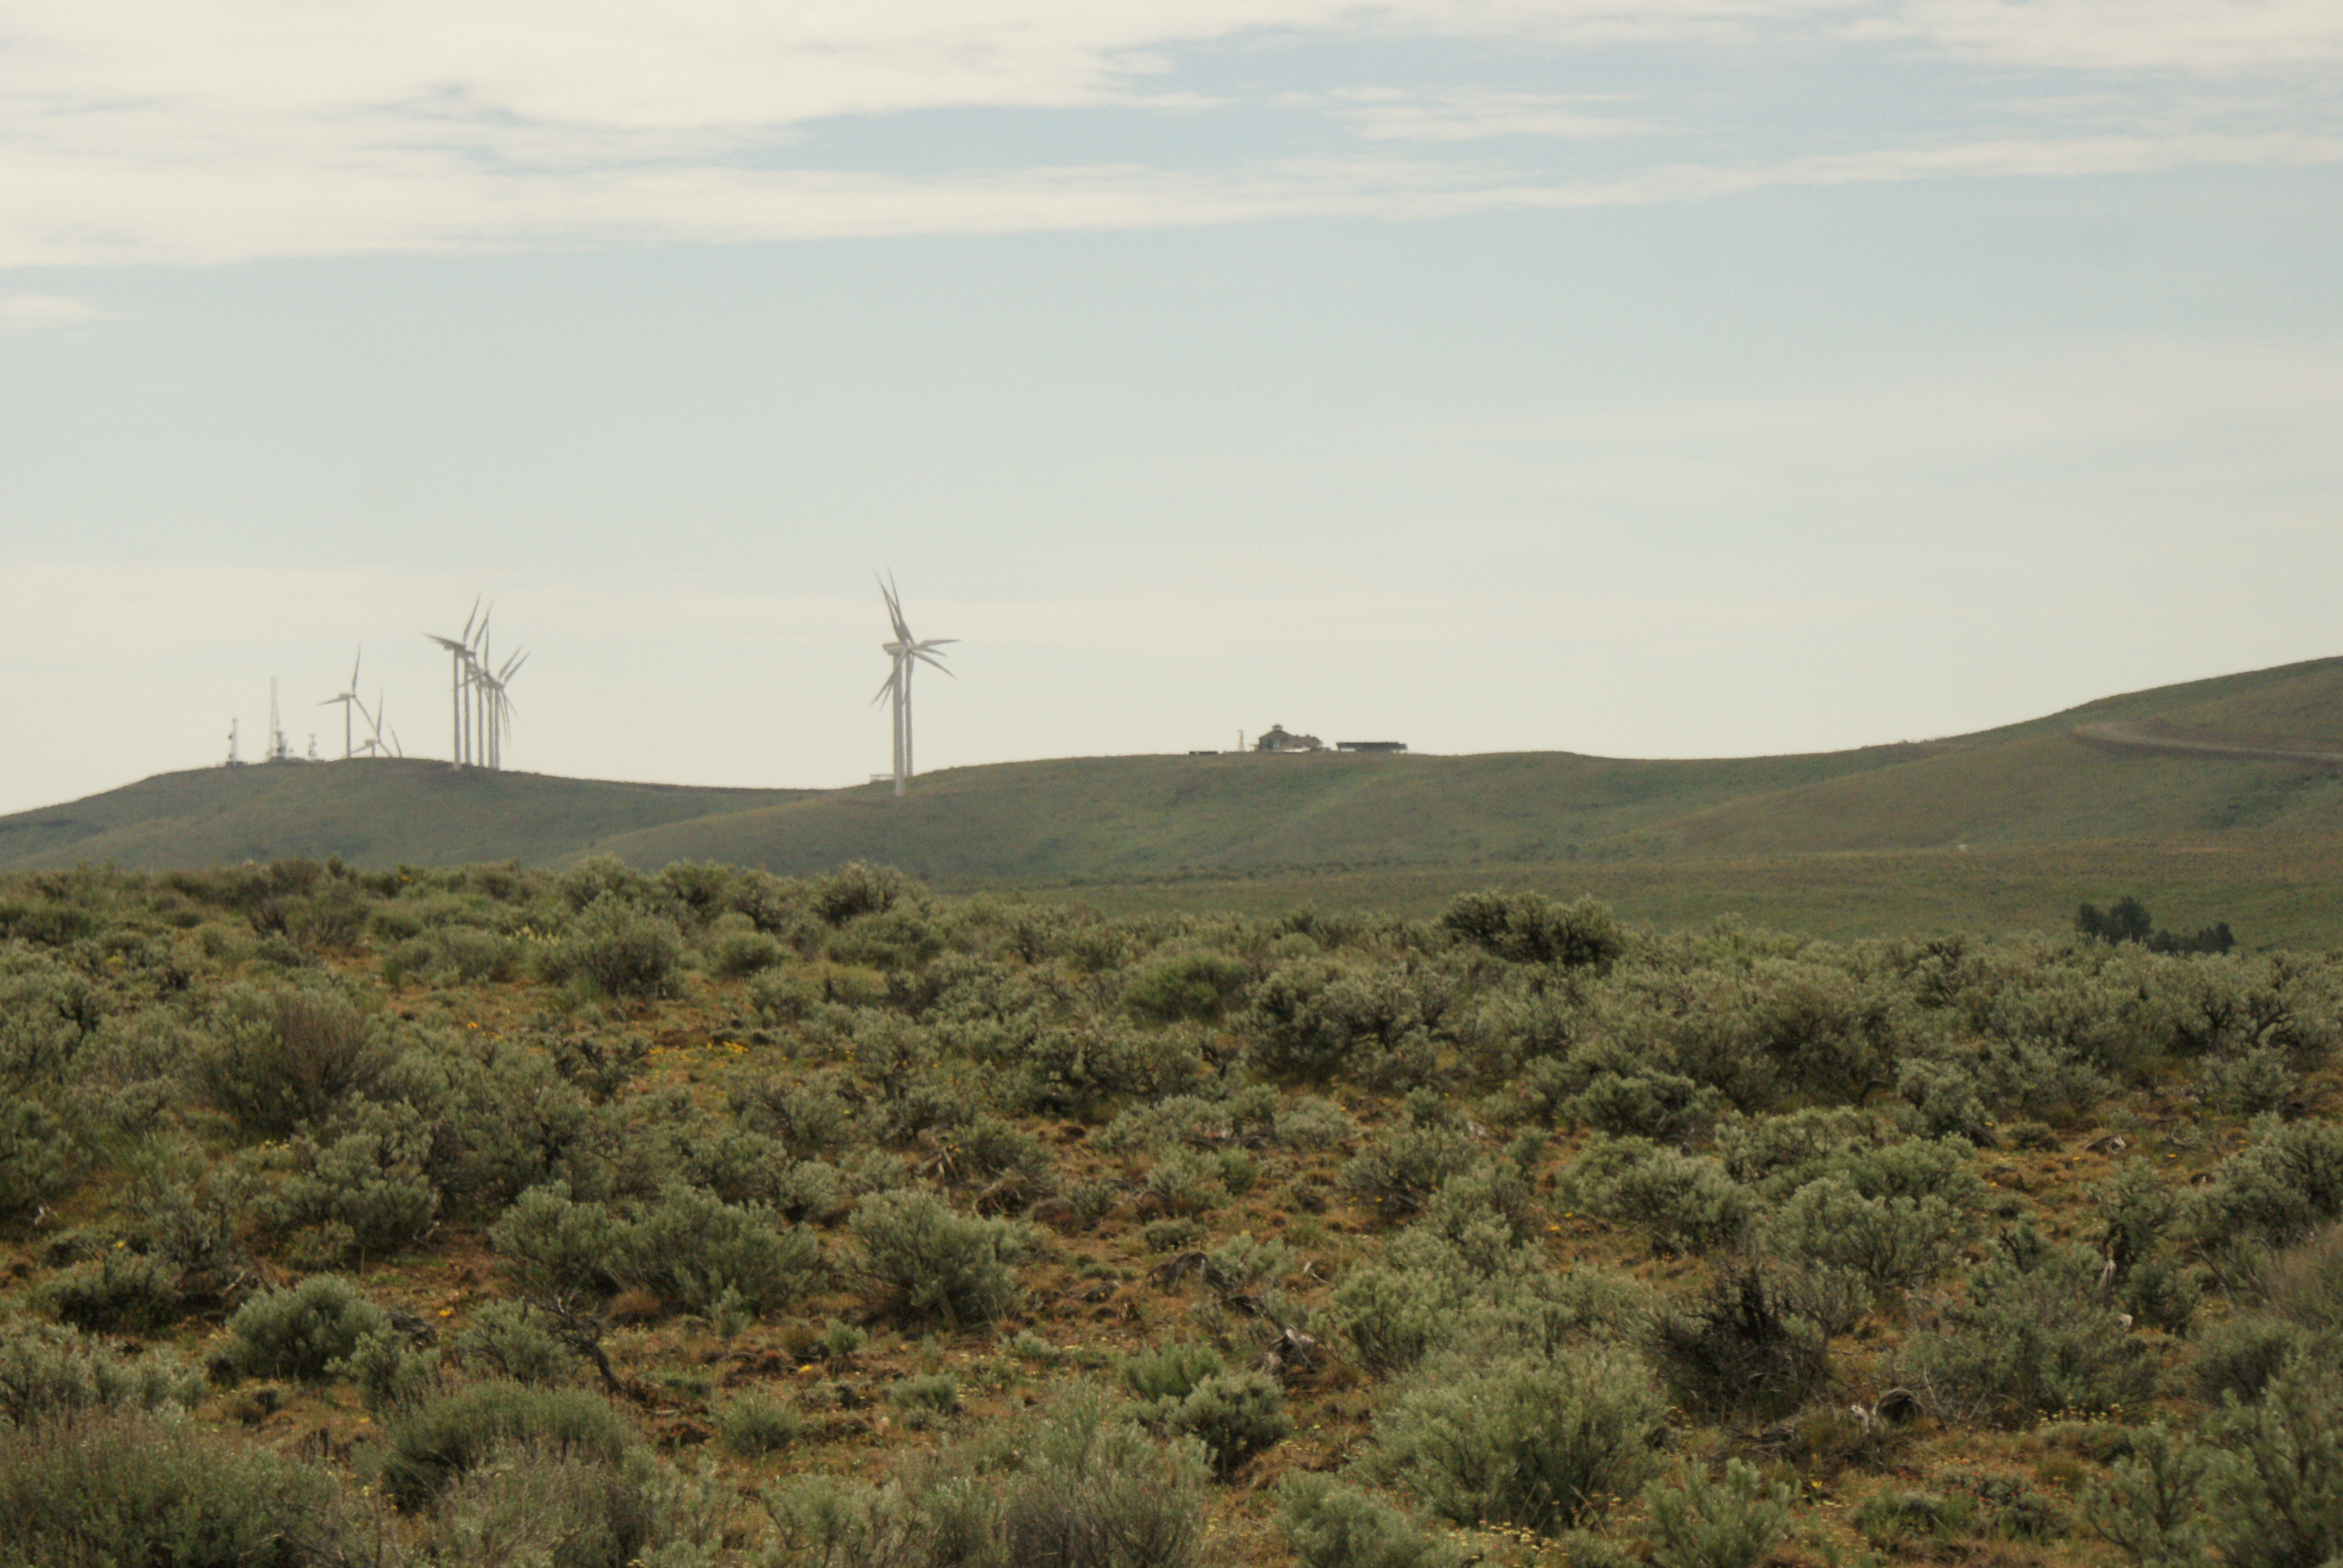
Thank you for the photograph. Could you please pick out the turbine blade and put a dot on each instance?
(467, 620)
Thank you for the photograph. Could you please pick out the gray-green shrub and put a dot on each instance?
(1539, 1441)
(428, 1448)
(1697, 1522)
(302, 1332)
(1235, 1415)
(47, 1372)
(936, 1265)
(1333, 1524)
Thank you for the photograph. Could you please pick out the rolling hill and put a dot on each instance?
(2224, 794)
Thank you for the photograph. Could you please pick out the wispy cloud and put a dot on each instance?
(1469, 114)
(47, 312)
(212, 130)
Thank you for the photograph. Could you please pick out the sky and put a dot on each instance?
(1692, 377)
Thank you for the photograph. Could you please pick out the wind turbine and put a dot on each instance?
(460, 669)
(347, 699)
(498, 706)
(906, 651)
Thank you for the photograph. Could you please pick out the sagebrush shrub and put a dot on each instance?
(557, 1249)
(113, 1489)
(1170, 1372)
(1235, 1415)
(1538, 1441)
(621, 949)
(937, 1265)
(37, 1156)
(49, 1371)
(510, 1340)
(1402, 1167)
(1195, 986)
(1332, 1525)
(1696, 1522)
(1527, 927)
(1890, 1242)
(278, 1059)
(751, 1424)
(302, 1332)
(547, 1503)
(1072, 1488)
(693, 1248)
(1683, 1203)
(2035, 1334)
(1745, 1345)
(2276, 1490)
(427, 1448)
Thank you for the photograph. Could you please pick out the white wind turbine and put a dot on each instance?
(348, 698)
(374, 745)
(461, 669)
(500, 706)
(906, 651)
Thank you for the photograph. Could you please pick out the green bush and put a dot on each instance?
(693, 1248)
(751, 1424)
(1683, 1203)
(510, 1340)
(2150, 1505)
(936, 1265)
(121, 1291)
(1071, 1488)
(1404, 1166)
(2276, 1489)
(304, 1331)
(536, 1502)
(1313, 1018)
(1235, 1415)
(621, 949)
(559, 1250)
(1330, 1524)
(365, 1184)
(1756, 1341)
(2035, 1334)
(1197, 986)
(2238, 1357)
(1890, 1243)
(427, 1449)
(1525, 928)
(37, 1156)
(126, 1490)
(1538, 1441)
(1169, 1372)
(279, 1059)
(2283, 1185)
(1696, 1522)
(738, 954)
(937, 1394)
(48, 1371)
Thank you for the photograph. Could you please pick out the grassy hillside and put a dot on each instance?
(369, 812)
(1840, 843)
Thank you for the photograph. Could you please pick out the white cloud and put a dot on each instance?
(214, 130)
(2195, 37)
(45, 312)
(1393, 115)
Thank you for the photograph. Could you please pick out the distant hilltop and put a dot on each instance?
(1277, 737)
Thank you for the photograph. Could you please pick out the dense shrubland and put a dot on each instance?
(592, 1217)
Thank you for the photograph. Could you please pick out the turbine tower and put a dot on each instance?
(906, 651)
(461, 669)
(348, 698)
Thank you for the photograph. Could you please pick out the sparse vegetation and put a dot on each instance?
(728, 1219)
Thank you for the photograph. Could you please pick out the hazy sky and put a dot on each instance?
(1673, 378)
